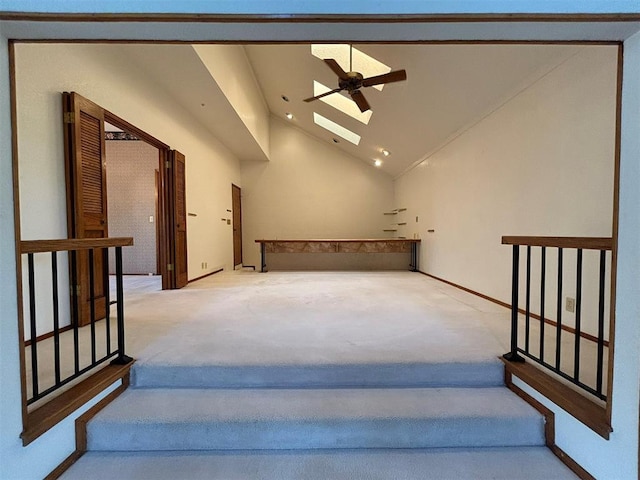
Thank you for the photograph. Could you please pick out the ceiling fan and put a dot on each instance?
(352, 81)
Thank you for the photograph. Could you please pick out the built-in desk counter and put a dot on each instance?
(368, 245)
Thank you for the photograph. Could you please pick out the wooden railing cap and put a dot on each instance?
(67, 244)
(587, 243)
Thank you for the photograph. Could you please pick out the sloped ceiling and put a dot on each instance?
(449, 89)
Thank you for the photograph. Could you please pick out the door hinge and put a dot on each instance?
(167, 164)
(74, 290)
(170, 267)
(69, 117)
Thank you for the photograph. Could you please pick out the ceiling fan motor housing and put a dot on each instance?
(352, 82)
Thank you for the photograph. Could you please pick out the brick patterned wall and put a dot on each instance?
(131, 200)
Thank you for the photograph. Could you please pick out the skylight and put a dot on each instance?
(336, 129)
(363, 63)
(342, 103)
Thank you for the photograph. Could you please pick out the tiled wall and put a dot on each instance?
(131, 197)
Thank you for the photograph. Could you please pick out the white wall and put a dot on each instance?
(542, 164)
(310, 189)
(618, 457)
(98, 73)
(230, 67)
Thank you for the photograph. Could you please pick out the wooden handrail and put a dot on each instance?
(587, 243)
(66, 244)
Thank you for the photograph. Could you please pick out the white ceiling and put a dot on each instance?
(448, 89)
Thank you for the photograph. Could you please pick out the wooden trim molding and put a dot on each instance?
(580, 407)
(206, 275)
(50, 414)
(319, 18)
(549, 427)
(566, 328)
(81, 430)
(44, 336)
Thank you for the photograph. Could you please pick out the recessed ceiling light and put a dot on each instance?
(289, 115)
(285, 98)
(378, 163)
(333, 127)
(342, 103)
(386, 153)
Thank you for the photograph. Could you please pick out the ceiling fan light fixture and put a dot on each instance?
(342, 103)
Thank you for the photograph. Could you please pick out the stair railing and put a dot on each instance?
(69, 366)
(523, 343)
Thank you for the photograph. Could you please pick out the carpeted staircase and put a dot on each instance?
(373, 421)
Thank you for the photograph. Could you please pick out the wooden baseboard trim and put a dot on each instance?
(64, 466)
(50, 414)
(566, 328)
(81, 430)
(44, 336)
(580, 407)
(205, 276)
(549, 428)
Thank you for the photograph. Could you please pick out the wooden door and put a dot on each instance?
(178, 206)
(86, 202)
(237, 224)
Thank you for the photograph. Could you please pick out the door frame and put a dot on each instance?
(235, 207)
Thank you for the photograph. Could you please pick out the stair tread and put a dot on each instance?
(523, 463)
(180, 405)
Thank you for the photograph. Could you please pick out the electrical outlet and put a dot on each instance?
(570, 304)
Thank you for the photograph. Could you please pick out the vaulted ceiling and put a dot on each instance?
(449, 88)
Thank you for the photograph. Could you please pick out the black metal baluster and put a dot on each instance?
(121, 359)
(92, 306)
(56, 317)
(75, 311)
(543, 274)
(527, 301)
(513, 356)
(576, 349)
(107, 303)
(601, 292)
(559, 311)
(33, 325)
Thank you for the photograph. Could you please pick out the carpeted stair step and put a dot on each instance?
(522, 463)
(447, 374)
(254, 419)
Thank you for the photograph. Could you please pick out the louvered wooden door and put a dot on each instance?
(178, 189)
(86, 200)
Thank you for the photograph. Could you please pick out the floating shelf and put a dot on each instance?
(401, 223)
(390, 230)
(390, 213)
(401, 209)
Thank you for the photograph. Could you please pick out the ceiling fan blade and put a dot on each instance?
(396, 76)
(337, 69)
(362, 103)
(311, 99)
